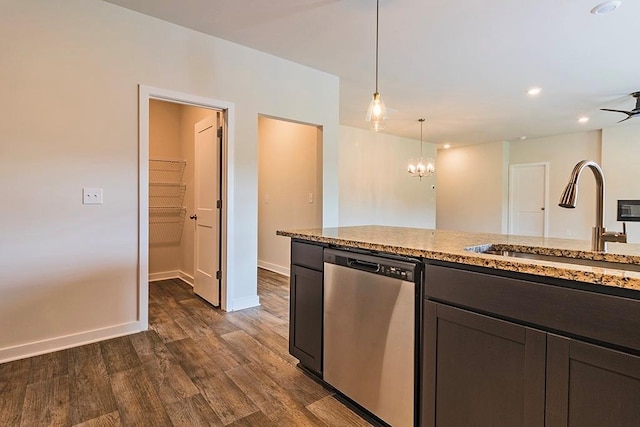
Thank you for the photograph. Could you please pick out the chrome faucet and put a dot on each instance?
(568, 200)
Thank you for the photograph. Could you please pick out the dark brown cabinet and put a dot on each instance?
(481, 371)
(591, 386)
(494, 353)
(305, 305)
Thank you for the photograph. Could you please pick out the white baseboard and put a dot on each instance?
(177, 274)
(68, 341)
(187, 278)
(164, 275)
(246, 302)
(285, 271)
(60, 343)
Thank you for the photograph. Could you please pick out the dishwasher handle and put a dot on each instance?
(358, 264)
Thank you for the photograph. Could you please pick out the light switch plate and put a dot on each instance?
(92, 196)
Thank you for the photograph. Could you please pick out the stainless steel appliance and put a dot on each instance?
(369, 332)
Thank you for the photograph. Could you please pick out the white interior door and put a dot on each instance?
(528, 199)
(207, 210)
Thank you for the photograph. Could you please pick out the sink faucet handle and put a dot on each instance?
(616, 236)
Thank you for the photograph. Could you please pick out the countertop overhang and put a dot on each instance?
(458, 247)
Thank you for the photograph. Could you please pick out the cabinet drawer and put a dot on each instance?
(604, 318)
(307, 255)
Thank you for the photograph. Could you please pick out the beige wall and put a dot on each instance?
(562, 153)
(473, 173)
(375, 187)
(289, 173)
(69, 272)
(621, 165)
(471, 182)
(164, 143)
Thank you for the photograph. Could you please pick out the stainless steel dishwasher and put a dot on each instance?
(369, 332)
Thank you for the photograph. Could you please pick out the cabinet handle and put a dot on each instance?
(194, 216)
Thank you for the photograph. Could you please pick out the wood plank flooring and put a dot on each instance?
(196, 366)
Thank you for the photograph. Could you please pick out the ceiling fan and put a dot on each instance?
(630, 114)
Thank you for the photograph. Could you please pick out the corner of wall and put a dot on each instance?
(506, 146)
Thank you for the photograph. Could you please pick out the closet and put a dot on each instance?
(166, 201)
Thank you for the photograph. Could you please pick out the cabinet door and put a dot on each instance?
(479, 371)
(305, 317)
(591, 386)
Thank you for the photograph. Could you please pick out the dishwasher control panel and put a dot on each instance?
(389, 267)
(397, 272)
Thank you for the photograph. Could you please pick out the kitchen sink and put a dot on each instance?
(561, 259)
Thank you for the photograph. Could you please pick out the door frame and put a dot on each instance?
(146, 93)
(512, 168)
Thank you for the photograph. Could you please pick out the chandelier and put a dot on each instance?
(421, 167)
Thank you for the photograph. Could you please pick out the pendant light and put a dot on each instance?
(421, 167)
(377, 113)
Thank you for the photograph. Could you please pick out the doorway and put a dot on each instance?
(528, 199)
(197, 107)
(289, 186)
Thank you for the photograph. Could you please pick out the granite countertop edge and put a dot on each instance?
(458, 247)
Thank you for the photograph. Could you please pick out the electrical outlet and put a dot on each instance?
(92, 196)
(310, 197)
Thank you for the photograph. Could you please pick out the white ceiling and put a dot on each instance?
(464, 65)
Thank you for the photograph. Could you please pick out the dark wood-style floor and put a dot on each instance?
(196, 366)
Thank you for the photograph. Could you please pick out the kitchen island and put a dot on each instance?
(503, 340)
(465, 248)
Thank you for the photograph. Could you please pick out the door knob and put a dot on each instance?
(194, 216)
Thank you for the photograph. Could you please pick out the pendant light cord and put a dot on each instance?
(377, 20)
(421, 122)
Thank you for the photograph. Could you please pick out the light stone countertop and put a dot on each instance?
(458, 247)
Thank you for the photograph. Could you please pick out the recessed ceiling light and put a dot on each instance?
(606, 7)
(446, 146)
(534, 91)
(583, 119)
(523, 137)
